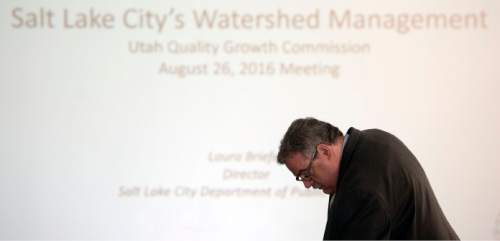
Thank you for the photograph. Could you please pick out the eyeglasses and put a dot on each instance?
(305, 174)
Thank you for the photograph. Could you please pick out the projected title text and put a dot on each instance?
(206, 19)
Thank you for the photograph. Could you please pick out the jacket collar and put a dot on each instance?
(347, 152)
(349, 147)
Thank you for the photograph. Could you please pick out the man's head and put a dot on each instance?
(311, 150)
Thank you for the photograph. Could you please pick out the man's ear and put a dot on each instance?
(324, 150)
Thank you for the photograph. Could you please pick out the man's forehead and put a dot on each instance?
(296, 162)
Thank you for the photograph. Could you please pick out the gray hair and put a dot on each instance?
(304, 135)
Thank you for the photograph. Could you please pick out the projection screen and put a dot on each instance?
(162, 119)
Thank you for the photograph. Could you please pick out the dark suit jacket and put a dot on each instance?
(383, 193)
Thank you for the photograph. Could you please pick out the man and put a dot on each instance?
(377, 188)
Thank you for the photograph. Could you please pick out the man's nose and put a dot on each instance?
(308, 183)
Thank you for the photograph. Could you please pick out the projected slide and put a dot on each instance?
(162, 120)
